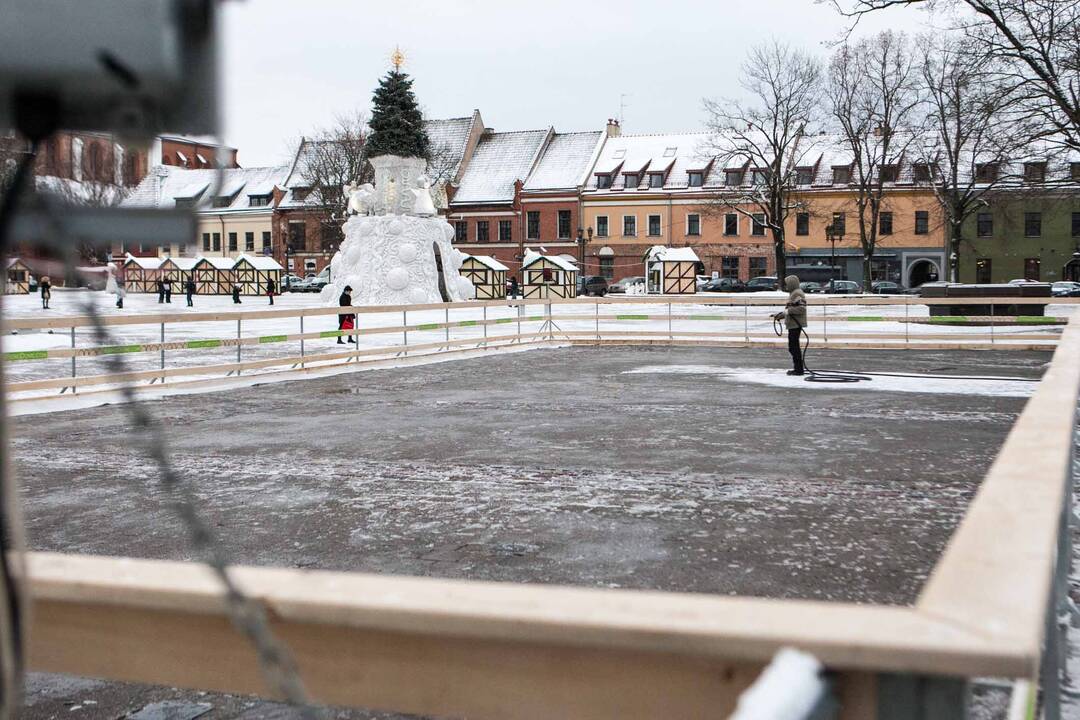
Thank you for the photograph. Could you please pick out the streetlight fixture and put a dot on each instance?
(582, 241)
(831, 238)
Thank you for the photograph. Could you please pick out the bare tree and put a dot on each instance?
(335, 157)
(967, 134)
(1038, 42)
(874, 94)
(768, 135)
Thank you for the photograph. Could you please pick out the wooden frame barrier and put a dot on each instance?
(504, 650)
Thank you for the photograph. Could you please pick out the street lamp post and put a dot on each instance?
(831, 238)
(288, 268)
(582, 241)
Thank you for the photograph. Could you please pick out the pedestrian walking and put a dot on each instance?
(46, 291)
(168, 292)
(346, 322)
(794, 317)
(189, 289)
(513, 291)
(270, 290)
(120, 294)
(236, 294)
(160, 291)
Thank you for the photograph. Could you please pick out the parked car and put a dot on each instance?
(592, 285)
(289, 282)
(884, 287)
(763, 282)
(619, 286)
(1023, 281)
(809, 287)
(1065, 288)
(302, 285)
(843, 287)
(701, 281)
(724, 285)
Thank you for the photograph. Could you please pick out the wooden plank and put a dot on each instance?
(995, 572)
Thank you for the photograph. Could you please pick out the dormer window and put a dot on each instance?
(300, 194)
(630, 180)
(733, 178)
(986, 172)
(670, 152)
(1035, 172)
(603, 182)
(921, 172)
(841, 175)
(656, 180)
(759, 177)
(695, 178)
(221, 201)
(185, 203)
(259, 200)
(889, 173)
(1074, 171)
(804, 176)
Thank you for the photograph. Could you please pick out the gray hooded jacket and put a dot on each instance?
(795, 310)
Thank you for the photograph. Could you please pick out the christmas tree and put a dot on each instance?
(397, 126)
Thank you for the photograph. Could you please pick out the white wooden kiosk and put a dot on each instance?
(17, 280)
(547, 276)
(487, 275)
(253, 272)
(141, 274)
(176, 271)
(671, 271)
(213, 275)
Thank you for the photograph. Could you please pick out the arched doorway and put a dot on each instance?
(1071, 271)
(923, 271)
(439, 272)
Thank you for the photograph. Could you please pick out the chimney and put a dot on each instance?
(613, 129)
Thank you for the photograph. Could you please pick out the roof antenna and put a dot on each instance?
(622, 107)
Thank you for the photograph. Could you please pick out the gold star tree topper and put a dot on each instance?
(397, 58)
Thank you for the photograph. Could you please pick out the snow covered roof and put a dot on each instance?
(675, 155)
(565, 161)
(259, 262)
(9, 262)
(182, 263)
(660, 253)
(489, 262)
(146, 263)
(83, 193)
(164, 185)
(499, 160)
(531, 256)
(220, 263)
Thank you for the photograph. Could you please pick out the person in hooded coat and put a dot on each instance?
(345, 322)
(794, 317)
(189, 290)
(46, 292)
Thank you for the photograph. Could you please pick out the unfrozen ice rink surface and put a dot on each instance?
(663, 468)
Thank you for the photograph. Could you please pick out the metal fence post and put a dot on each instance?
(485, 325)
(405, 331)
(163, 353)
(301, 341)
(551, 330)
(746, 321)
(238, 359)
(825, 312)
(597, 306)
(992, 321)
(446, 323)
(907, 321)
(670, 336)
(73, 372)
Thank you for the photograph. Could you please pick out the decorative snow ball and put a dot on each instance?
(397, 279)
(407, 253)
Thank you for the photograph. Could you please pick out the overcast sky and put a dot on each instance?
(290, 67)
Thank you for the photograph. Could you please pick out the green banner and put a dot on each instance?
(273, 338)
(330, 333)
(428, 326)
(203, 344)
(26, 355)
(632, 317)
(119, 349)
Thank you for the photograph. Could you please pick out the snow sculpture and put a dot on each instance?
(399, 255)
(360, 198)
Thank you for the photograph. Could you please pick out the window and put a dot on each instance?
(630, 180)
(266, 241)
(921, 172)
(733, 178)
(221, 201)
(603, 182)
(181, 249)
(693, 224)
(330, 236)
(654, 225)
(629, 225)
(670, 151)
(885, 223)
(249, 242)
(1032, 224)
(1035, 172)
(217, 242)
(1074, 171)
(232, 242)
(984, 224)
(802, 223)
(656, 180)
(206, 241)
(759, 177)
(758, 225)
(841, 175)
(532, 225)
(986, 172)
(481, 231)
(729, 267)
(298, 236)
(758, 266)
(1076, 224)
(564, 224)
(506, 231)
(922, 222)
(731, 224)
(889, 173)
(461, 231)
(839, 223)
(185, 203)
(258, 200)
(804, 176)
(601, 226)
(1032, 268)
(695, 179)
(607, 267)
(983, 271)
(548, 275)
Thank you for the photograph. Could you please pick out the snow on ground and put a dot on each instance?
(1000, 387)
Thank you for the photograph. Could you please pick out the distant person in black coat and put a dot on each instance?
(345, 322)
(168, 292)
(160, 291)
(46, 291)
(236, 294)
(189, 289)
(270, 290)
